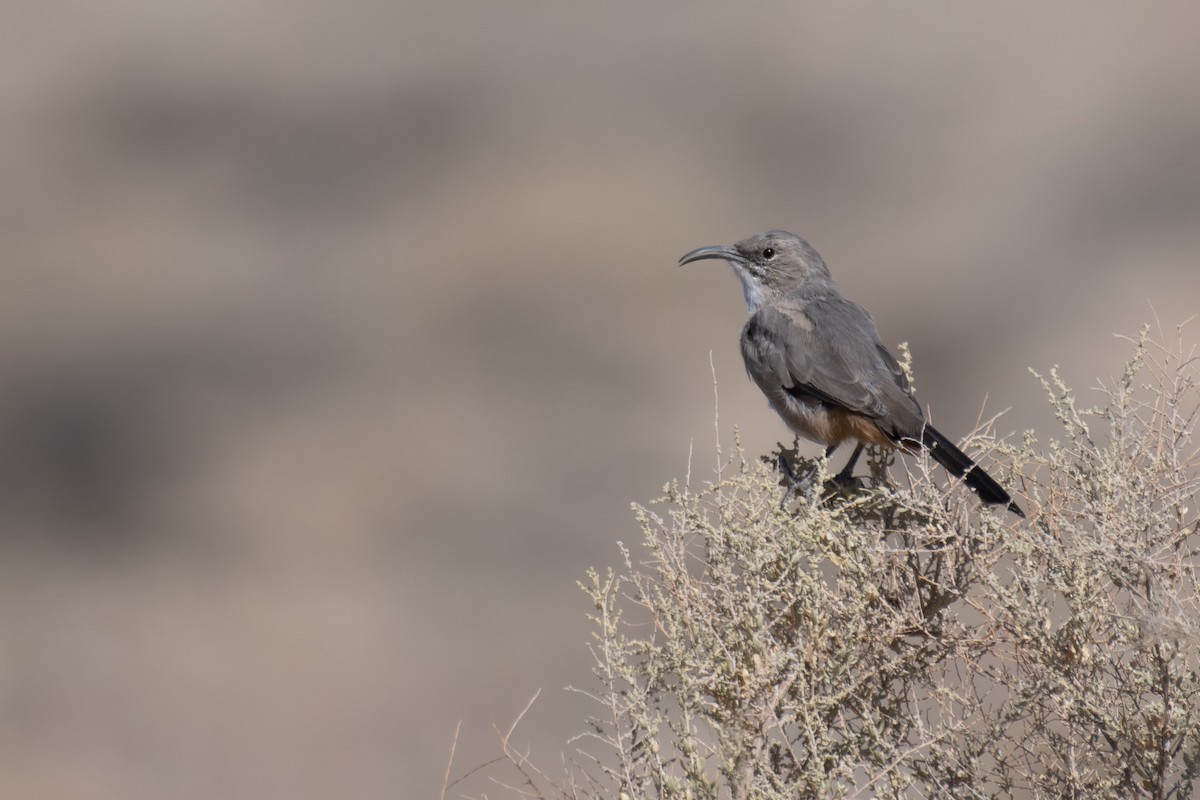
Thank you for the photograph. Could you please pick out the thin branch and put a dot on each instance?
(450, 762)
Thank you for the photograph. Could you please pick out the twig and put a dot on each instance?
(450, 762)
(712, 367)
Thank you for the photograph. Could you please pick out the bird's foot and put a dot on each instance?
(795, 483)
(843, 484)
(845, 480)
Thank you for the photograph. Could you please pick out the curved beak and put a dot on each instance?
(724, 252)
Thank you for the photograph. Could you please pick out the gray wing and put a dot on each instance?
(828, 349)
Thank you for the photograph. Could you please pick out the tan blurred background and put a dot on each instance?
(336, 339)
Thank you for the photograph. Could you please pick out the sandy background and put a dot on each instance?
(336, 339)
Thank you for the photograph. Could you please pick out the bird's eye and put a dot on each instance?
(768, 253)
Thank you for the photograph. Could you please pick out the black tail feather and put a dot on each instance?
(959, 465)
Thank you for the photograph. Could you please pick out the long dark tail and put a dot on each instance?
(959, 465)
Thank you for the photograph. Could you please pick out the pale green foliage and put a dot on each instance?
(902, 641)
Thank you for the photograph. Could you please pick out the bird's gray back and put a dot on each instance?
(825, 347)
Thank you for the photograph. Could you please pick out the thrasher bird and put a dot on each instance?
(818, 359)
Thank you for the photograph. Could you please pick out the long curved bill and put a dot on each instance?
(722, 251)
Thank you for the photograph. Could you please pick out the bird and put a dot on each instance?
(818, 358)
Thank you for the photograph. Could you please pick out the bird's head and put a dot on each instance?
(769, 264)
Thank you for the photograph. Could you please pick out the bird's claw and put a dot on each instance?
(795, 483)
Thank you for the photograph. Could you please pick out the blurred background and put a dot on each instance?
(336, 339)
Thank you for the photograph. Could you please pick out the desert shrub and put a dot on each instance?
(899, 640)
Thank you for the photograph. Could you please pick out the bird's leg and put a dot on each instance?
(792, 480)
(846, 474)
(803, 482)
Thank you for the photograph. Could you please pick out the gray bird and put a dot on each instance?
(818, 359)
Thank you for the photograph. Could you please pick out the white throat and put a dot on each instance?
(752, 290)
